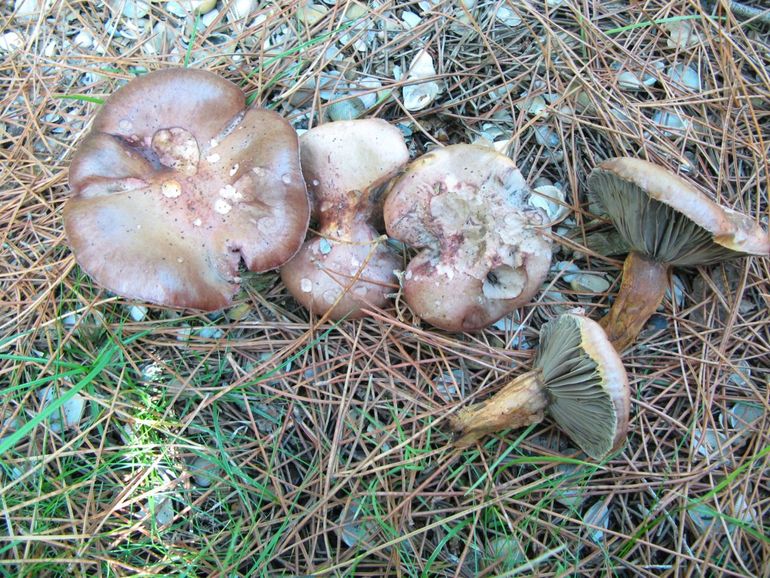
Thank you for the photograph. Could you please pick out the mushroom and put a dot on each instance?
(667, 223)
(484, 250)
(176, 183)
(347, 266)
(578, 379)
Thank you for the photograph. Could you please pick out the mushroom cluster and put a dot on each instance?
(178, 182)
(667, 223)
(347, 266)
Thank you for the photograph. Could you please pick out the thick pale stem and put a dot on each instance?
(520, 403)
(641, 292)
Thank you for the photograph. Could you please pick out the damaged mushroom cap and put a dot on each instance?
(484, 251)
(662, 216)
(347, 266)
(586, 383)
(666, 222)
(176, 183)
(578, 379)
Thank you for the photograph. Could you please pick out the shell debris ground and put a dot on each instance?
(327, 444)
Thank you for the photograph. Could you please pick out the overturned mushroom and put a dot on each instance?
(347, 266)
(667, 223)
(483, 248)
(578, 379)
(176, 183)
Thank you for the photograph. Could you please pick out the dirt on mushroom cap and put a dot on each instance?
(176, 183)
(484, 252)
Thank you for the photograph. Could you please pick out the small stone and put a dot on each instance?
(508, 552)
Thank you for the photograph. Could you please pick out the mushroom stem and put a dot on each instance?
(641, 292)
(520, 403)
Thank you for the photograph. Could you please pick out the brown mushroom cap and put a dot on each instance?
(484, 252)
(348, 266)
(662, 216)
(176, 183)
(586, 383)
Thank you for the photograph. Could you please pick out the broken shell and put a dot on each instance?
(419, 95)
(685, 76)
(588, 283)
(552, 200)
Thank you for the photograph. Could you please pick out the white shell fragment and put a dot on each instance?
(137, 312)
(681, 34)
(68, 415)
(508, 16)
(11, 41)
(597, 515)
(570, 270)
(204, 471)
(633, 80)
(685, 76)
(552, 200)
(670, 120)
(588, 283)
(708, 442)
(418, 96)
(743, 415)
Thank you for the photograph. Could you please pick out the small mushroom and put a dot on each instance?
(578, 379)
(667, 223)
(347, 266)
(484, 251)
(176, 183)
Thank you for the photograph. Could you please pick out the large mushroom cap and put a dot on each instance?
(348, 266)
(176, 183)
(662, 216)
(586, 383)
(484, 251)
